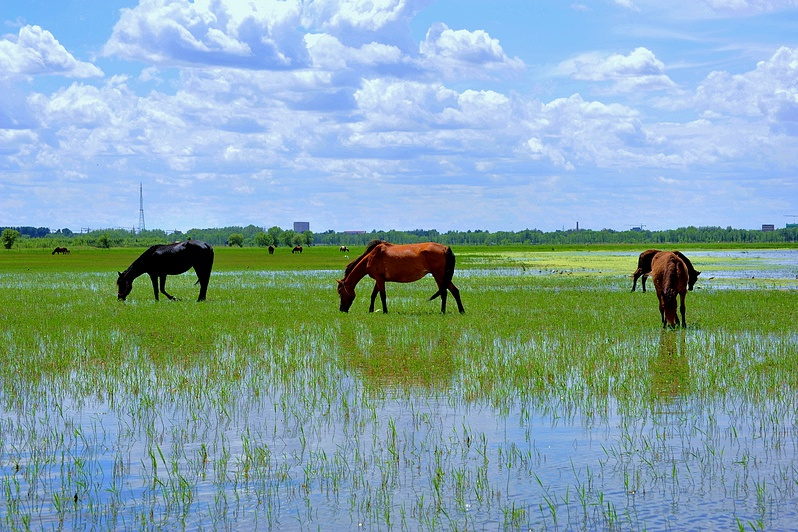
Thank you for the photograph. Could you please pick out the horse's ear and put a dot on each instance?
(120, 273)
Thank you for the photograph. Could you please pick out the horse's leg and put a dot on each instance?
(643, 282)
(379, 287)
(456, 293)
(163, 288)
(203, 289)
(662, 311)
(154, 280)
(681, 309)
(441, 282)
(373, 297)
(638, 272)
(203, 278)
(384, 301)
(444, 294)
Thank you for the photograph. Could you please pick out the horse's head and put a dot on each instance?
(123, 286)
(347, 296)
(693, 277)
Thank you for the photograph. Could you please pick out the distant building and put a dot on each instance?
(301, 227)
(354, 232)
(768, 227)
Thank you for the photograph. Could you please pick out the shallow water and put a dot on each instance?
(290, 439)
(430, 461)
(758, 264)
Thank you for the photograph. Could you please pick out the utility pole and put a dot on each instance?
(141, 208)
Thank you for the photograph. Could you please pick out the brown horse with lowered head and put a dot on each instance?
(670, 276)
(406, 263)
(644, 269)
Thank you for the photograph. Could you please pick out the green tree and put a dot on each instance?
(288, 237)
(308, 237)
(103, 241)
(263, 239)
(276, 234)
(235, 239)
(8, 237)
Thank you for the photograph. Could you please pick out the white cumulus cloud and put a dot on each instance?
(259, 35)
(363, 15)
(639, 70)
(769, 91)
(35, 51)
(457, 53)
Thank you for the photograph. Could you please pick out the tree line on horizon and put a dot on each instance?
(254, 236)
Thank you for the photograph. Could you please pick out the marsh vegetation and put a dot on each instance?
(556, 401)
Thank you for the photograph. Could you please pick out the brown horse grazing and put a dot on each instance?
(644, 269)
(60, 251)
(297, 249)
(406, 263)
(271, 250)
(670, 279)
(169, 259)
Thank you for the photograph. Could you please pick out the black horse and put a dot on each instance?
(169, 259)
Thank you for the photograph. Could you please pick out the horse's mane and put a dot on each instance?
(369, 248)
(135, 264)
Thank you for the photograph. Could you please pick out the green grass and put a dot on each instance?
(266, 405)
(118, 259)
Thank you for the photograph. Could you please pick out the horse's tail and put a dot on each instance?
(448, 273)
(670, 294)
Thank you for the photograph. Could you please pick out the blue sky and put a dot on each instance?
(399, 114)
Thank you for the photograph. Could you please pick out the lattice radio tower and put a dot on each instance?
(141, 208)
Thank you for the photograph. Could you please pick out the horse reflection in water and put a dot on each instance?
(385, 262)
(670, 369)
(169, 259)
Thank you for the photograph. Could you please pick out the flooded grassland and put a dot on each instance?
(556, 401)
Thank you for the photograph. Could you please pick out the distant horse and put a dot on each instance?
(343, 249)
(670, 276)
(644, 269)
(60, 251)
(169, 259)
(297, 249)
(400, 264)
(271, 250)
